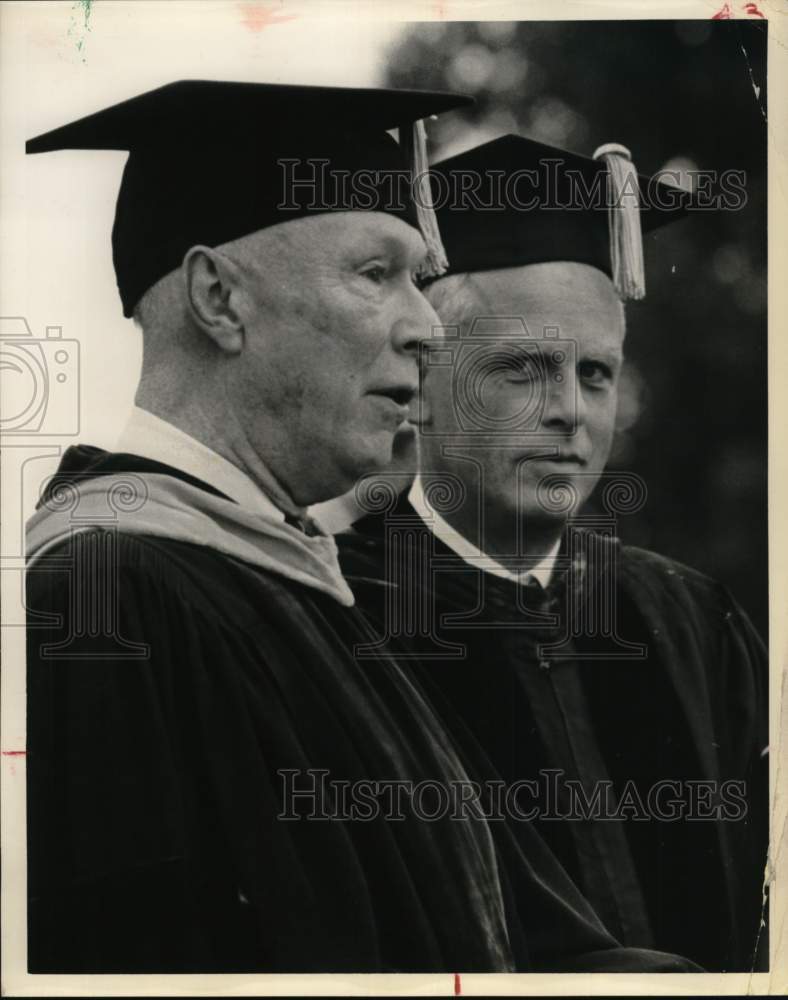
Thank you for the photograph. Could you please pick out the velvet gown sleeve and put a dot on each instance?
(742, 707)
(155, 840)
(716, 666)
(155, 834)
(129, 865)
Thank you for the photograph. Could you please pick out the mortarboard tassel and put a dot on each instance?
(626, 238)
(415, 142)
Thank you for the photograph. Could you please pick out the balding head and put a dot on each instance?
(535, 367)
(178, 360)
(164, 314)
(563, 290)
(296, 346)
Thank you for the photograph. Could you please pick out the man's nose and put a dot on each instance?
(562, 407)
(417, 322)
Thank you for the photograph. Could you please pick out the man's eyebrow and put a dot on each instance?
(396, 247)
(610, 355)
(546, 347)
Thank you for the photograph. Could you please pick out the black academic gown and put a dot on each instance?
(684, 702)
(155, 840)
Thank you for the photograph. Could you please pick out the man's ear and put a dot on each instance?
(210, 278)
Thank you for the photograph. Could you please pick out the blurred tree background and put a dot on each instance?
(682, 95)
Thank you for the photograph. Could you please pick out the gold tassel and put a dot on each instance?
(414, 141)
(626, 238)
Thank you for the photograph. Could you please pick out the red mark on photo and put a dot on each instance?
(457, 984)
(256, 16)
(725, 12)
(12, 754)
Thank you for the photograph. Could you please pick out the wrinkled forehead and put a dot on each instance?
(334, 236)
(544, 301)
(565, 294)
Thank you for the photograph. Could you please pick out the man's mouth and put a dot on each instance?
(399, 394)
(395, 400)
(569, 460)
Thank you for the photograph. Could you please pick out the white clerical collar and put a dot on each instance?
(468, 552)
(151, 437)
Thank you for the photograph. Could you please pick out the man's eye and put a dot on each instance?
(375, 273)
(594, 372)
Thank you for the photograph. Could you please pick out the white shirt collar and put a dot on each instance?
(468, 552)
(151, 437)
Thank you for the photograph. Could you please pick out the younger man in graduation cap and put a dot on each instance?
(569, 657)
(191, 637)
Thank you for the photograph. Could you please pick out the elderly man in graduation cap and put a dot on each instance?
(191, 670)
(629, 689)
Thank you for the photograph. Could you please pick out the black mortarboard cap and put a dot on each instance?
(208, 164)
(513, 201)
